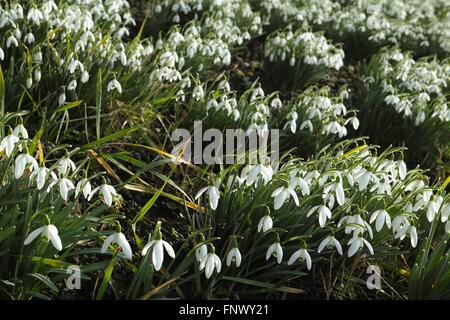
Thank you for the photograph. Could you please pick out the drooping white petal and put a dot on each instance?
(157, 255)
(214, 196)
(111, 238)
(54, 237)
(169, 249)
(126, 248)
(33, 235)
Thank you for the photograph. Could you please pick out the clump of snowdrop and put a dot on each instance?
(300, 57)
(414, 88)
(316, 111)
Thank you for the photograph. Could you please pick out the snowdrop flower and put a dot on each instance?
(198, 93)
(107, 192)
(29, 38)
(213, 193)
(65, 186)
(62, 99)
(72, 85)
(275, 250)
(445, 212)
(65, 164)
(119, 239)
(84, 185)
(433, 208)
(41, 176)
(23, 161)
(381, 217)
(303, 255)
(8, 143)
(281, 194)
(50, 232)
(84, 77)
(356, 243)
(114, 84)
(210, 262)
(324, 213)
(265, 223)
(158, 252)
(330, 242)
(265, 172)
(201, 252)
(401, 165)
(20, 131)
(234, 256)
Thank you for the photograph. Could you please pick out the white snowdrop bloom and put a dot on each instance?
(74, 64)
(330, 242)
(276, 103)
(65, 164)
(292, 62)
(281, 194)
(20, 131)
(114, 84)
(401, 165)
(119, 239)
(276, 251)
(382, 217)
(2, 54)
(357, 243)
(11, 40)
(201, 252)
(363, 180)
(307, 124)
(433, 208)
(84, 186)
(123, 58)
(401, 227)
(72, 85)
(38, 56)
(107, 192)
(265, 172)
(340, 194)
(158, 247)
(445, 212)
(265, 223)
(210, 262)
(29, 38)
(213, 193)
(303, 255)
(29, 82)
(50, 232)
(324, 213)
(198, 93)
(84, 77)
(298, 181)
(413, 236)
(234, 255)
(65, 186)
(41, 176)
(24, 161)
(37, 74)
(62, 99)
(8, 143)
